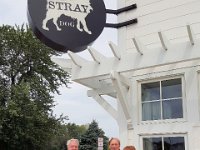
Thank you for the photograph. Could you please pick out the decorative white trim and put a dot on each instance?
(122, 95)
(138, 45)
(190, 34)
(99, 99)
(76, 59)
(164, 41)
(97, 57)
(115, 50)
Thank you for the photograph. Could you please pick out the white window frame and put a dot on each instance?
(184, 135)
(156, 80)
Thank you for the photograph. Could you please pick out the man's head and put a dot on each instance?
(114, 144)
(72, 144)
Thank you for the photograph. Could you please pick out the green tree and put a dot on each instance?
(66, 132)
(75, 131)
(28, 79)
(89, 140)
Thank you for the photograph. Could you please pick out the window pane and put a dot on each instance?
(171, 88)
(151, 111)
(152, 143)
(172, 109)
(174, 143)
(150, 91)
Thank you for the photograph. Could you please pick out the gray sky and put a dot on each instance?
(72, 102)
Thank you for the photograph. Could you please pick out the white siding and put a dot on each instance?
(168, 16)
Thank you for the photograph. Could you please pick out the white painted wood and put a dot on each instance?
(138, 45)
(190, 34)
(171, 25)
(98, 57)
(125, 81)
(165, 14)
(133, 61)
(168, 16)
(191, 91)
(76, 59)
(115, 50)
(164, 40)
(103, 103)
(121, 93)
(158, 7)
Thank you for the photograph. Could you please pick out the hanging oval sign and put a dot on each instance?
(67, 24)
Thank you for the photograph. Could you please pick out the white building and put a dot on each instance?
(154, 75)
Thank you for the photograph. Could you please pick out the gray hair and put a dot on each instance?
(69, 141)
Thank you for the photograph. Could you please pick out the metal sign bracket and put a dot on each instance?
(118, 11)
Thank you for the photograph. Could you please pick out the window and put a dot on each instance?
(162, 100)
(164, 143)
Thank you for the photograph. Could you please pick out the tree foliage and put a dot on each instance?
(28, 78)
(67, 131)
(75, 131)
(89, 140)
